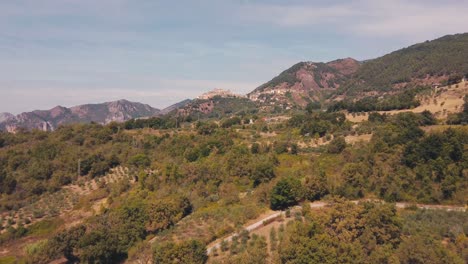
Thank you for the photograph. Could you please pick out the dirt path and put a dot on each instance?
(318, 205)
(250, 228)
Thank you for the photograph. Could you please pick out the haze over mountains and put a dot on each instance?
(429, 63)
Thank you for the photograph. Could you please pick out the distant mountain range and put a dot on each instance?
(47, 120)
(429, 63)
(5, 116)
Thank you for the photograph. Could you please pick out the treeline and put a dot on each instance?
(153, 122)
(319, 123)
(404, 100)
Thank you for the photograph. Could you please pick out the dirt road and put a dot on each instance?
(318, 205)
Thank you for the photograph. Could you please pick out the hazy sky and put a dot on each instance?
(69, 52)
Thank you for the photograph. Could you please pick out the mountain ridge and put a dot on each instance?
(103, 113)
(430, 63)
(305, 82)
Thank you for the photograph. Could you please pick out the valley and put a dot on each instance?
(337, 162)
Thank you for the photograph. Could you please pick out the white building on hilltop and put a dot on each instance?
(218, 92)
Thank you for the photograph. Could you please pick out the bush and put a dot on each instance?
(187, 252)
(337, 145)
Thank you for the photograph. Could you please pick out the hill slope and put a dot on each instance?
(438, 62)
(305, 82)
(175, 106)
(216, 107)
(430, 62)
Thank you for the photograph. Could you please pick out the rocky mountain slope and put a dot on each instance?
(5, 116)
(305, 82)
(103, 113)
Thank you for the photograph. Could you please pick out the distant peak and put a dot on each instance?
(58, 107)
(121, 101)
(5, 116)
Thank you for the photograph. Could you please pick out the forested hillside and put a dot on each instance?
(429, 62)
(198, 182)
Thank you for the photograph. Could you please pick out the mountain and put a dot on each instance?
(175, 106)
(305, 82)
(5, 116)
(435, 62)
(427, 63)
(103, 113)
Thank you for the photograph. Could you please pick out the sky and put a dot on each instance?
(71, 52)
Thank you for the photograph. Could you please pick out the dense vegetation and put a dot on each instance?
(217, 176)
(318, 124)
(159, 190)
(36, 162)
(373, 233)
(403, 100)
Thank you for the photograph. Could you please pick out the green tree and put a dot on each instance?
(139, 161)
(287, 192)
(166, 212)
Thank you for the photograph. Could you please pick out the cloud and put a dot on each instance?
(296, 15)
(414, 19)
(391, 18)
